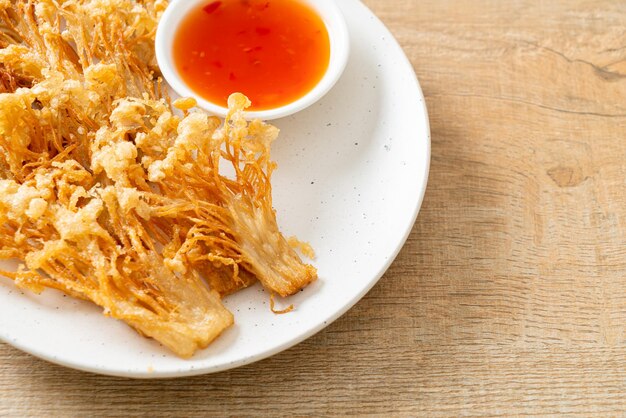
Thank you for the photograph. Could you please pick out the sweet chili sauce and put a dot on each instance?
(273, 51)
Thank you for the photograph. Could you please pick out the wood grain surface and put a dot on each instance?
(510, 295)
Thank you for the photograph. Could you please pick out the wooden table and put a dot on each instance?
(510, 296)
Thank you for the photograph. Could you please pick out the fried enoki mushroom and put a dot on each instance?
(108, 194)
(89, 243)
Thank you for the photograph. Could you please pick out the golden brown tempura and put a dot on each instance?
(107, 195)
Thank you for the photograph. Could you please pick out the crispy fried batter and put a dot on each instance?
(106, 194)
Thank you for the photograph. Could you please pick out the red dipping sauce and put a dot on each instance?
(273, 51)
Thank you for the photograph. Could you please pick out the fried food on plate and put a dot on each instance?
(109, 195)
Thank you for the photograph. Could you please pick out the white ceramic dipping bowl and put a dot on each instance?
(339, 52)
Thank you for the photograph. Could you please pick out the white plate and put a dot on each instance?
(351, 178)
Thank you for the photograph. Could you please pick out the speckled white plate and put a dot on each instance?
(351, 178)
